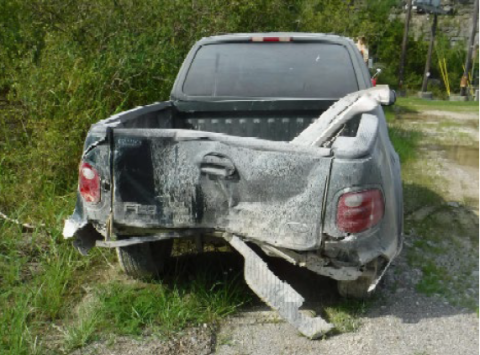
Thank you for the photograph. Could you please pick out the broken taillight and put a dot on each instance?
(89, 183)
(358, 211)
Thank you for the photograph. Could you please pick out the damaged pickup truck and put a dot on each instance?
(276, 140)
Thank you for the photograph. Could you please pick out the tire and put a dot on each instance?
(145, 261)
(358, 289)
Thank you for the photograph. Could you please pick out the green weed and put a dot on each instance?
(82, 331)
(136, 308)
(434, 278)
(345, 315)
(405, 142)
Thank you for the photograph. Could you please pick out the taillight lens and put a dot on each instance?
(89, 183)
(358, 211)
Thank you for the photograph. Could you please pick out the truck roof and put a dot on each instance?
(296, 35)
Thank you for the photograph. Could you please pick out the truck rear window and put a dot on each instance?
(280, 70)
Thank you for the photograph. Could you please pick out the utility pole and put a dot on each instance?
(471, 46)
(426, 73)
(401, 72)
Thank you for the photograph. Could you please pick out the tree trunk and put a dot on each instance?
(401, 71)
(471, 45)
(426, 73)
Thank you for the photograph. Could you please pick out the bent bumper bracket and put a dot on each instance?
(278, 294)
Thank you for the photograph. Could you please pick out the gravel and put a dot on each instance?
(193, 341)
(399, 321)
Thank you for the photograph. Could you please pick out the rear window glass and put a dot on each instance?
(287, 70)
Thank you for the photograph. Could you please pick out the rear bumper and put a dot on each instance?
(344, 259)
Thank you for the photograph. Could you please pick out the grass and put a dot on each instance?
(438, 240)
(47, 288)
(39, 287)
(151, 308)
(445, 247)
(413, 104)
(405, 142)
(345, 315)
(434, 278)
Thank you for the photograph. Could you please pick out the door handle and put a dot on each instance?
(217, 165)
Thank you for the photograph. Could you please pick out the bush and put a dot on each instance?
(71, 64)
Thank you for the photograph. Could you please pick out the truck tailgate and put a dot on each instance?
(267, 191)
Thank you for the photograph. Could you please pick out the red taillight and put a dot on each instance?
(89, 183)
(271, 39)
(358, 211)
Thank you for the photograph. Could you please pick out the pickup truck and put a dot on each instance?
(270, 139)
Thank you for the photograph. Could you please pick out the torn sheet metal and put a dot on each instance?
(330, 122)
(278, 294)
(71, 226)
(135, 240)
(314, 262)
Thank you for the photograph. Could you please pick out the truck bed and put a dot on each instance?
(270, 120)
(166, 177)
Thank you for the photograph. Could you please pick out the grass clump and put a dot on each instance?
(81, 332)
(136, 308)
(405, 142)
(345, 315)
(132, 309)
(37, 289)
(434, 278)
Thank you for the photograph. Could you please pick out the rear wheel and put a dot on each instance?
(358, 289)
(146, 260)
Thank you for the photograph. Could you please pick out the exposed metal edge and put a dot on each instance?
(376, 281)
(135, 240)
(278, 294)
(111, 159)
(325, 127)
(323, 213)
(314, 263)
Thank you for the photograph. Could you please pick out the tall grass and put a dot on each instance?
(46, 287)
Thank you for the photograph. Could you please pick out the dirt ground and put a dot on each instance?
(400, 319)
